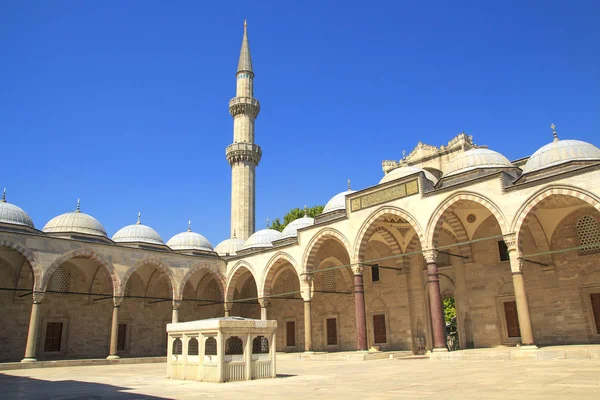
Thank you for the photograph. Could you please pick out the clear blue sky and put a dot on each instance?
(124, 104)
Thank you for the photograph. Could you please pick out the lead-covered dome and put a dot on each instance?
(137, 233)
(11, 214)
(560, 152)
(189, 241)
(475, 159)
(337, 202)
(75, 222)
(229, 246)
(292, 228)
(262, 239)
(401, 172)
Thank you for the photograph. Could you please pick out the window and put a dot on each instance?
(290, 333)
(379, 328)
(210, 347)
(260, 344)
(588, 233)
(503, 250)
(53, 336)
(60, 280)
(177, 347)
(375, 274)
(234, 346)
(329, 281)
(193, 347)
(121, 337)
(331, 331)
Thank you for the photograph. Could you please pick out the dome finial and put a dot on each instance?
(4, 196)
(139, 221)
(78, 209)
(349, 188)
(305, 211)
(267, 222)
(190, 225)
(553, 127)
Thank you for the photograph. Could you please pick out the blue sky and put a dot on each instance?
(124, 104)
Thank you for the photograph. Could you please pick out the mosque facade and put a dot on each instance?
(513, 244)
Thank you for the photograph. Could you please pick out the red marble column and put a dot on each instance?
(359, 306)
(438, 325)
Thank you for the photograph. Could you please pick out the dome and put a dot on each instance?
(292, 228)
(189, 241)
(229, 246)
(559, 152)
(476, 158)
(11, 214)
(405, 171)
(137, 233)
(337, 202)
(76, 222)
(262, 239)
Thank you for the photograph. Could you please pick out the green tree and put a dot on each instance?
(449, 309)
(294, 214)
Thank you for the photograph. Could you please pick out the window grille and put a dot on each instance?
(60, 280)
(128, 288)
(588, 233)
(193, 347)
(177, 347)
(260, 344)
(234, 346)
(330, 281)
(375, 274)
(503, 250)
(210, 346)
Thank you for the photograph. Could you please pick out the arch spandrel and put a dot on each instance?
(238, 270)
(160, 266)
(318, 240)
(210, 269)
(31, 259)
(271, 269)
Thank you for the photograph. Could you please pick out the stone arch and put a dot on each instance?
(530, 204)
(160, 266)
(31, 259)
(238, 270)
(83, 253)
(219, 278)
(436, 220)
(271, 269)
(460, 235)
(368, 228)
(390, 240)
(318, 240)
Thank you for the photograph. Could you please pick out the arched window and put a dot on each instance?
(177, 347)
(330, 281)
(193, 347)
(260, 345)
(234, 346)
(210, 347)
(588, 233)
(60, 280)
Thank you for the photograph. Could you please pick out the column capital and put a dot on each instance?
(430, 256)
(38, 297)
(117, 300)
(264, 302)
(510, 240)
(307, 278)
(358, 269)
(176, 304)
(517, 267)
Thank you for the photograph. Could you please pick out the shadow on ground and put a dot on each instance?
(19, 387)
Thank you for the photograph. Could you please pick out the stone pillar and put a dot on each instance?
(516, 268)
(359, 307)
(220, 356)
(34, 322)
(248, 357)
(264, 304)
(175, 315)
(114, 329)
(438, 325)
(226, 308)
(306, 281)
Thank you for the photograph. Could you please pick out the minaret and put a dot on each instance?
(243, 155)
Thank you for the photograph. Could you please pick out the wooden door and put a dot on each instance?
(595, 297)
(121, 337)
(512, 319)
(379, 328)
(290, 333)
(331, 331)
(53, 336)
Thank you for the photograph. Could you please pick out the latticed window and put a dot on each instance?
(329, 281)
(234, 346)
(193, 347)
(588, 232)
(503, 250)
(177, 347)
(128, 288)
(60, 280)
(260, 345)
(210, 347)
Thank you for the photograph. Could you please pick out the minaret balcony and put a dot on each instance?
(244, 105)
(248, 152)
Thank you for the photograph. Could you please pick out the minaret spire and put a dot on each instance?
(245, 62)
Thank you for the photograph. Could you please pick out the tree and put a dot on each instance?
(294, 214)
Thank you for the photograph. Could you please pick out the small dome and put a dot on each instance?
(137, 233)
(189, 241)
(262, 239)
(229, 246)
(405, 171)
(337, 202)
(474, 159)
(11, 214)
(292, 228)
(559, 152)
(76, 222)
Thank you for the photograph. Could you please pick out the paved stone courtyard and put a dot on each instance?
(380, 379)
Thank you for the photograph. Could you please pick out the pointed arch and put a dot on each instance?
(238, 270)
(389, 238)
(211, 269)
(82, 253)
(160, 266)
(271, 269)
(318, 240)
(460, 234)
(31, 259)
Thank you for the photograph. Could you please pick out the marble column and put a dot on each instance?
(32, 334)
(226, 308)
(114, 329)
(516, 268)
(438, 325)
(306, 281)
(264, 305)
(175, 315)
(359, 308)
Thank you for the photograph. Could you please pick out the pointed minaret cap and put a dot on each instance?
(3, 196)
(553, 127)
(139, 221)
(190, 225)
(78, 209)
(245, 63)
(349, 188)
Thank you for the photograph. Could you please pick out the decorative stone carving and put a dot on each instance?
(244, 105)
(384, 195)
(511, 241)
(38, 297)
(264, 303)
(117, 300)
(430, 256)
(176, 304)
(237, 152)
(358, 269)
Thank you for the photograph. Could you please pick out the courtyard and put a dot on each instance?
(379, 379)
